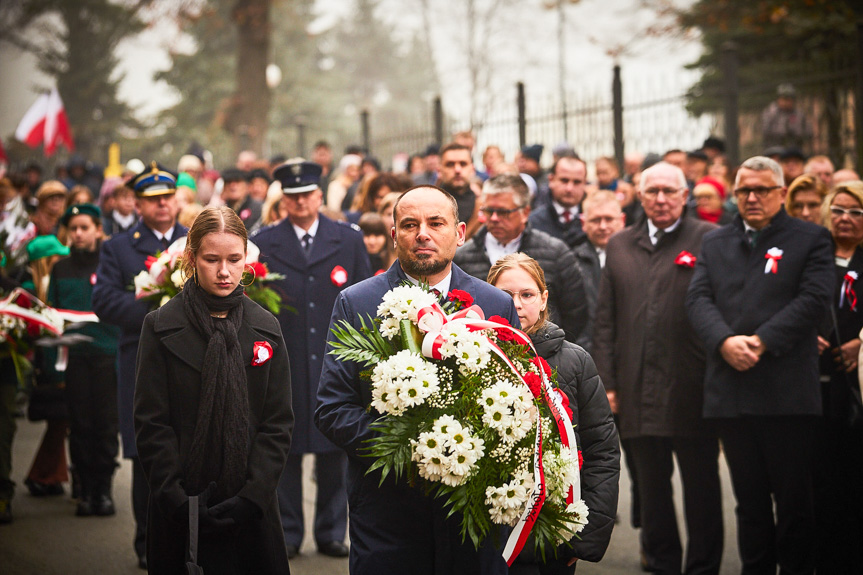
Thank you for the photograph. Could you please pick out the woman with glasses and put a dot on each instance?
(839, 469)
(521, 277)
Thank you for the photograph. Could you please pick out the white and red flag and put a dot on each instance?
(46, 123)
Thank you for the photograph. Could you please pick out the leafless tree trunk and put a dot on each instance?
(251, 102)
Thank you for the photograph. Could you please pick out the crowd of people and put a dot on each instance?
(692, 307)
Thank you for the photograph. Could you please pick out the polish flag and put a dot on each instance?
(46, 123)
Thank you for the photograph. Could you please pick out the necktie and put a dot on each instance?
(658, 235)
(164, 244)
(752, 236)
(307, 243)
(567, 217)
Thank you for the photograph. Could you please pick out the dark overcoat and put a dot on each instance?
(309, 287)
(731, 294)
(394, 528)
(644, 346)
(170, 358)
(122, 258)
(567, 300)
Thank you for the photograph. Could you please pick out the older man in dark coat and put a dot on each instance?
(122, 258)
(505, 206)
(652, 364)
(319, 258)
(395, 528)
(761, 287)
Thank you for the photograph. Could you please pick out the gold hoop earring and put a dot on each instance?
(195, 276)
(249, 269)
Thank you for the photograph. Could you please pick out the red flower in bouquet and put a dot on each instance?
(541, 364)
(259, 269)
(499, 319)
(533, 382)
(150, 261)
(462, 298)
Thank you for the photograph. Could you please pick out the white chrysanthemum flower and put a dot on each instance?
(403, 380)
(403, 302)
(143, 282)
(580, 511)
(446, 424)
(561, 472)
(389, 327)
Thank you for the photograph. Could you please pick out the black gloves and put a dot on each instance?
(235, 511)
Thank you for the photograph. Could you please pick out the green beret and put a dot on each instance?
(45, 246)
(91, 210)
(186, 180)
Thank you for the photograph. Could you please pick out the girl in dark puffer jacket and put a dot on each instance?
(522, 278)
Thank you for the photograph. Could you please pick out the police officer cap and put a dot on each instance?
(298, 176)
(81, 209)
(155, 180)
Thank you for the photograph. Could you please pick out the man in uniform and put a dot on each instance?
(236, 196)
(395, 528)
(122, 258)
(319, 258)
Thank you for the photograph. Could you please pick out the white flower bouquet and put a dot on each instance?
(164, 278)
(470, 413)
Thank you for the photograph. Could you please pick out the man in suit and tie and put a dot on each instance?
(762, 286)
(122, 258)
(601, 218)
(652, 364)
(395, 528)
(567, 182)
(318, 257)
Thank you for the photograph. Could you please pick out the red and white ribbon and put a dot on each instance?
(848, 290)
(431, 320)
(772, 256)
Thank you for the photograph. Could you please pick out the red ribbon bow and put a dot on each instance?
(262, 352)
(686, 259)
(848, 291)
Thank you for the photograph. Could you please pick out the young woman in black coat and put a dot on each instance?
(213, 413)
(521, 276)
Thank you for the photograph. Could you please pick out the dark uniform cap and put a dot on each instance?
(154, 181)
(793, 153)
(533, 152)
(299, 176)
(697, 155)
(235, 175)
(81, 209)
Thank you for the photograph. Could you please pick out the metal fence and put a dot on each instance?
(653, 116)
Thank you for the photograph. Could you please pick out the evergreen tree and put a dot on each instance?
(74, 42)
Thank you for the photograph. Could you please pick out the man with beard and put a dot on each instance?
(394, 527)
(456, 176)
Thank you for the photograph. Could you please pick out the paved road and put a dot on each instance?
(47, 539)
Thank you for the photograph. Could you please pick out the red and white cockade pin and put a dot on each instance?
(92, 279)
(685, 258)
(339, 276)
(848, 290)
(772, 256)
(245, 214)
(261, 353)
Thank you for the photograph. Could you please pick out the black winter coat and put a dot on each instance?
(597, 439)
(567, 298)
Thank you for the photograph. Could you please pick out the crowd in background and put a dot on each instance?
(566, 208)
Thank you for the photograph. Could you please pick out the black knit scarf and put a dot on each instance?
(220, 446)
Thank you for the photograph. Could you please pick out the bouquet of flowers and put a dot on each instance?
(164, 278)
(23, 320)
(469, 412)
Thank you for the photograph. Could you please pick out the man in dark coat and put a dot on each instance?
(505, 207)
(395, 528)
(122, 258)
(319, 258)
(560, 217)
(236, 196)
(761, 287)
(652, 364)
(601, 218)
